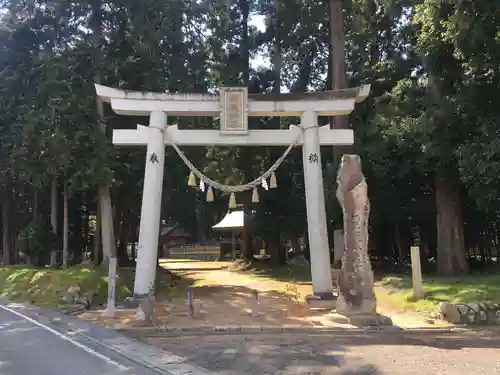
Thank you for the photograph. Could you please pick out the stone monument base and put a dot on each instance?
(361, 319)
(322, 302)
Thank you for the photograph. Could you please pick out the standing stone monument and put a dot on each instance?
(356, 303)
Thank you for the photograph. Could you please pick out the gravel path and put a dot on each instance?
(345, 353)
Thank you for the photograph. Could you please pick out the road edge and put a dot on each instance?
(137, 352)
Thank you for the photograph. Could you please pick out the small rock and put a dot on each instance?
(491, 306)
(474, 306)
(482, 317)
(450, 312)
(462, 309)
(436, 315)
(491, 317)
(471, 318)
(130, 303)
(140, 314)
(74, 289)
(72, 294)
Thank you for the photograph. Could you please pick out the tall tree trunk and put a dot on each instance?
(107, 230)
(35, 203)
(133, 252)
(86, 234)
(401, 249)
(104, 194)
(65, 226)
(122, 251)
(337, 57)
(246, 235)
(338, 80)
(451, 254)
(276, 251)
(97, 236)
(6, 245)
(53, 219)
(13, 223)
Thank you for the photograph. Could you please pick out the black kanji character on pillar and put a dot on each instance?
(313, 158)
(154, 158)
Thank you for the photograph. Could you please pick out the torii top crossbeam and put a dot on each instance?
(326, 103)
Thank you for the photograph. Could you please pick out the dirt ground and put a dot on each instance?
(224, 297)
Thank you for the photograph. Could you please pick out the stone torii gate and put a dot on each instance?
(233, 105)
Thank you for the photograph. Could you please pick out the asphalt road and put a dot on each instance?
(340, 353)
(28, 347)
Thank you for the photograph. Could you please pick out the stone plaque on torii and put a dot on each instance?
(233, 105)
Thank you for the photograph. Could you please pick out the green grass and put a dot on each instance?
(396, 291)
(46, 287)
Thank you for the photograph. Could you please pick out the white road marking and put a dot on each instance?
(66, 338)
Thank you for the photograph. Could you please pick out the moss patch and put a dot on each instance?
(46, 287)
(396, 291)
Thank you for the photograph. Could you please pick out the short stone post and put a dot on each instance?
(416, 273)
(190, 302)
(255, 303)
(338, 245)
(111, 305)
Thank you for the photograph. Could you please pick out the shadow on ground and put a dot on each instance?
(337, 354)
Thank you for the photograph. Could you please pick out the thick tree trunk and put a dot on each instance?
(13, 230)
(246, 235)
(276, 250)
(451, 254)
(85, 235)
(53, 219)
(338, 65)
(122, 253)
(107, 230)
(338, 79)
(104, 194)
(132, 251)
(65, 227)
(97, 237)
(6, 245)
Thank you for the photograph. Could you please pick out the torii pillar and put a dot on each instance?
(234, 105)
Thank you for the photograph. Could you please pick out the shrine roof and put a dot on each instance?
(232, 221)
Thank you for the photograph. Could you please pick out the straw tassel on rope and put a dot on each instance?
(255, 195)
(191, 179)
(232, 201)
(210, 194)
(273, 183)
